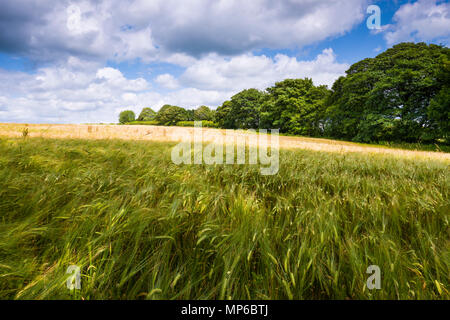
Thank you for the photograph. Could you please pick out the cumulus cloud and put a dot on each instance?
(233, 27)
(48, 31)
(237, 73)
(65, 93)
(167, 81)
(168, 29)
(211, 42)
(424, 20)
(72, 93)
(115, 79)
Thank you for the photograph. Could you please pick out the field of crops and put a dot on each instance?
(171, 134)
(141, 227)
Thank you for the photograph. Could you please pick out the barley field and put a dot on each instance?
(110, 200)
(172, 134)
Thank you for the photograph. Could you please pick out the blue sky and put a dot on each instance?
(85, 61)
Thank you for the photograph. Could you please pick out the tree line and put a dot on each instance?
(169, 115)
(402, 94)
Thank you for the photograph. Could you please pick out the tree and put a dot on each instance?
(439, 113)
(203, 113)
(295, 106)
(439, 109)
(190, 115)
(169, 115)
(126, 116)
(242, 111)
(223, 116)
(147, 114)
(389, 97)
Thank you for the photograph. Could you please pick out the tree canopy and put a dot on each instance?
(242, 111)
(203, 113)
(295, 106)
(126, 116)
(389, 97)
(147, 114)
(169, 115)
(403, 94)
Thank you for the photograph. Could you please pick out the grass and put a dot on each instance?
(172, 134)
(141, 227)
(433, 147)
(417, 146)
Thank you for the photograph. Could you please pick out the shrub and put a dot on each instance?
(143, 123)
(205, 123)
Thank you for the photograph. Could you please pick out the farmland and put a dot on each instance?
(110, 200)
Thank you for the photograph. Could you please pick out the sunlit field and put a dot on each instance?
(171, 134)
(141, 227)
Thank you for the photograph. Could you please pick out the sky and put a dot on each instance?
(71, 61)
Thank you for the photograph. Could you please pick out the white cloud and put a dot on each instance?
(244, 71)
(180, 59)
(167, 81)
(115, 79)
(194, 97)
(210, 41)
(169, 29)
(77, 24)
(70, 93)
(232, 27)
(424, 20)
(67, 94)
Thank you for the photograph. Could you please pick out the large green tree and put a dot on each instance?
(439, 108)
(242, 111)
(203, 113)
(388, 97)
(147, 114)
(295, 106)
(169, 115)
(126, 116)
(223, 115)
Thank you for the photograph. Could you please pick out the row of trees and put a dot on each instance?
(168, 115)
(294, 106)
(402, 94)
